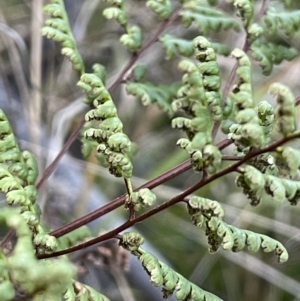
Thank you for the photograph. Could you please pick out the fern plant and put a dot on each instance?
(263, 136)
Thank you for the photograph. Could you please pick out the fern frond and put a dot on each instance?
(287, 22)
(141, 199)
(265, 113)
(269, 54)
(209, 214)
(58, 29)
(245, 10)
(139, 72)
(174, 45)
(255, 184)
(149, 94)
(133, 38)
(18, 173)
(22, 271)
(162, 275)
(112, 142)
(288, 160)
(200, 98)
(206, 18)
(285, 119)
(162, 8)
(247, 132)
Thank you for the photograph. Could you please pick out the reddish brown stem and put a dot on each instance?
(180, 197)
(120, 200)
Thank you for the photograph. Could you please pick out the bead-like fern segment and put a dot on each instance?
(265, 113)
(245, 10)
(255, 184)
(162, 275)
(287, 22)
(246, 132)
(141, 199)
(288, 160)
(161, 7)
(209, 215)
(58, 29)
(112, 142)
(200, 99)
(206, 18)
(285, 120)
(178, 46)
(209, 70)
(269, 54)
(18, 173)
(132, 39)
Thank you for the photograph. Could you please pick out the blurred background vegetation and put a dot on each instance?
(39, 94)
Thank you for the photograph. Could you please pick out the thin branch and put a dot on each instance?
(120, 200)
(180, 197)
(7, 238)
(231, 158)
(263, 9)
(52, 166)
(137, 55)
(297, 100)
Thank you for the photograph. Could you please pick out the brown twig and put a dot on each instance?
(231, 158)
(120, 200)
(180, 197)
(6, 239)
(297, 100)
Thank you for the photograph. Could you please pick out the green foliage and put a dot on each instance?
(112, 142)
(149, 93)
(197, 107)
(161, 7)
(133, 38)
(162, 275)
(58, 29)
(285, 122)
(268, 54)
(206, 18)
(245, 10)
(247, 132)
(139, 72)
(200, 99)
(18, 173)
(255, 185)
(21, 271)
(287, 22)
(141, 199)
(172, 45)
(209, 215)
